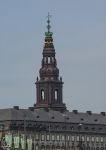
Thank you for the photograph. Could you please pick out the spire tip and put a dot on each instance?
(48, 33)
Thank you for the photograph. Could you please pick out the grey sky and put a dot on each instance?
(79, 28)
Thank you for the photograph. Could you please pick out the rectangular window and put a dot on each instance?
(57, 138)
(97, 139)
(77, 138)
(72, 138)
(68, 138)
(93, 139)
(87, 138)
(37, 147)
(82, 138)
(53, 137)
(62, 137)
(101, 139)
(36, 136)
(47, 137)
(42, 137)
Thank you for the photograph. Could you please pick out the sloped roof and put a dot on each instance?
(52, 116)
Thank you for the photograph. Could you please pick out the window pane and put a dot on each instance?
(37, 147)
(36, 137)
(42, 94)
(53, 138)
(62, 137)
(56, 94)
(53, 59)
(101, 139)
(58, 138)
(42, 137)
(93, 139)
(44, 59)
(48, 137)
(87, 139)
(48, 60)
(97, 139)
(77, 138)
(72, 138)
(82, 138)
(68, 137)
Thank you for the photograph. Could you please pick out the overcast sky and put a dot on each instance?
(79, 32)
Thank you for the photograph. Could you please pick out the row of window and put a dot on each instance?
(54, 137)
(43, 94)
(49, 60)
(68, 148)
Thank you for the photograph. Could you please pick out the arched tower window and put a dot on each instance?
(52, 59)
(56, 94)
(48, 60)
(45, 60)
(42, 95)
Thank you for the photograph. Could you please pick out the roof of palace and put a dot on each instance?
(16, 114)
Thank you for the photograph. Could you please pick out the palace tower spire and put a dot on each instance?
(49, 87)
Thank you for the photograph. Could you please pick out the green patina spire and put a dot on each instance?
(48, 34)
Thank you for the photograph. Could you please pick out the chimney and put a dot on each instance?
(31, 108)
(103, 113)
(89, 112)
(75, 111)
(16, 107)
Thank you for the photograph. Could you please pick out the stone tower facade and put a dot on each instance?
(49, 87)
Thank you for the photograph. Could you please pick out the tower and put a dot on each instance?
(49, 87)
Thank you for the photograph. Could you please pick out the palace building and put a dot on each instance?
(48, 125)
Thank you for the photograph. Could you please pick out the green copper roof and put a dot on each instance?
(48, 34)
